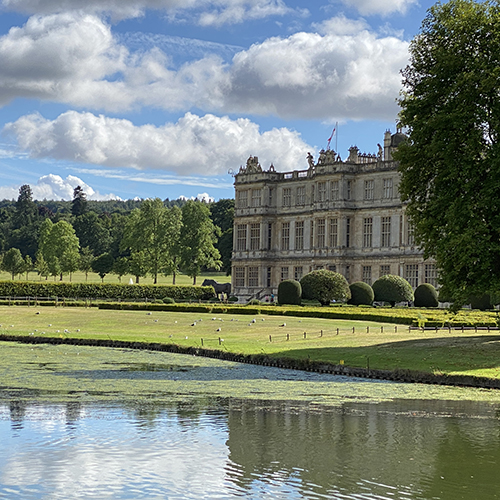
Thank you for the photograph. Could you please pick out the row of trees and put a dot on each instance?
(154, 238)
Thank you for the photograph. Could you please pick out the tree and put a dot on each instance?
(41, 266)
(59, 246)
(361, 294)
(13, 262)
(450, 165)
(26, 210)
(79, 203)
(324, 286)
(198, 235)
(103, 265)
(121, 267)
(28, 266)
(154, 230)
(222, 215)
(138, 264)
(92, 232)
(86, 259)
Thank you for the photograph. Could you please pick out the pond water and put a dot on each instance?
(103, 423)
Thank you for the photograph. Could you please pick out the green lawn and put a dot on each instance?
(79, 277)
(383, 345)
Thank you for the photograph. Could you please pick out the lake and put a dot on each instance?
(113, 423)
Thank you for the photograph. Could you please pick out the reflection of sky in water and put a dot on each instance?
(108, 454)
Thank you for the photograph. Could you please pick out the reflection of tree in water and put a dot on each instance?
(357, 448)
(17, 411)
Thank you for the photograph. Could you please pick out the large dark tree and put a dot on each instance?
(450, 164)
(26, 209)
(79, 203)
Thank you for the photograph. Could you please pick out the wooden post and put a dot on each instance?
(270, 338)
(288, 336)
(321, 334)
(305, 335)
(337, 331)
(367, 329)
(201, 342)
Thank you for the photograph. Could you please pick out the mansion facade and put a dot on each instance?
(345, 216)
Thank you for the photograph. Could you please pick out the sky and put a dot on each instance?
(167, 98)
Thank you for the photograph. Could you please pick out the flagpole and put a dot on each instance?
(337, 137)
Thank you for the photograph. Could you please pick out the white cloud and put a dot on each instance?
(346, 72)
(380, 7)
(347, 75)
(200, 196)
(207, 145)
(202, 12)
(54, 187)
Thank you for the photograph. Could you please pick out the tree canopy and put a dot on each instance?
(450, 165)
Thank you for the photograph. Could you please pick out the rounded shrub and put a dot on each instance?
(232, 298)
(325, 286)
(482, 302)
(289, 292)
(254, 302)
(168, 300)
(391, 288)
(426, 296)
(361, 294)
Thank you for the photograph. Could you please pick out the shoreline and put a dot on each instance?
(397, 375)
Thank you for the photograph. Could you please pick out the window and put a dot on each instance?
(243, 198)
(334, 228)
(284, 273)
(287, 197)
(313, 197)
(241, 237)
(386, 232)
(430, 274)
(239, 276)
(301, 195)
(334, 189)
(411, 235)
(384, 270)
(348, 232)
(367, 275)
(269, 235)
(320, 232)
(285, 236)
(268, 276)
(255, 197)
(271, 197)
(333, 268)
(254, 236)
(253, 276)
(298, 272)
(387, 192)
(299, 235)
(321, 191)
(411, 274)
(311, 239)
(348, 190)
(368, 195)
(367, 232)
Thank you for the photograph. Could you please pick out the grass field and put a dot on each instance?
(79, 277)
(356, 343)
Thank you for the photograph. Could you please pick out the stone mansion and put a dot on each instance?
(345, 216)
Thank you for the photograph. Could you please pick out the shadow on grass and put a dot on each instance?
(440, 354)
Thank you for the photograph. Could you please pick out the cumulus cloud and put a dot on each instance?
(200, 197)
(344, 71)
(209, 144)
(54, 187)
(202, 12)
(380, 7)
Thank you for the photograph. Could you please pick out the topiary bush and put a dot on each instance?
(426, 296)
(168, 300)
(325, 286)
(289, 292)
(391, 288)
(482, 302)
(232, 298)
(361, 294)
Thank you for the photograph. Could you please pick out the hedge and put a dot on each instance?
(104, 291)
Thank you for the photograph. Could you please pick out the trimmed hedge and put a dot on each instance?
(104, 291)
(426, 296)
(391, 288)
(289, 292)
(324, 286)
(361, 294)
(482, 302)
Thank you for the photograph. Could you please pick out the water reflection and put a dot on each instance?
(227, 448)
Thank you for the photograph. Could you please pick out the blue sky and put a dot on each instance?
(146, 98)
